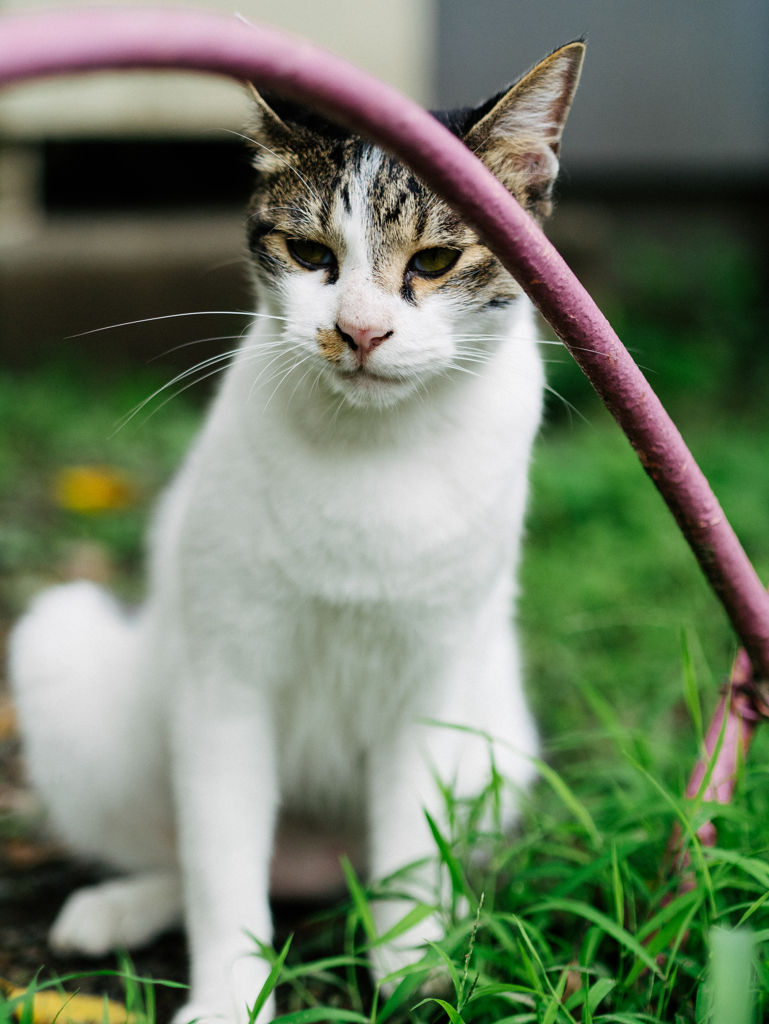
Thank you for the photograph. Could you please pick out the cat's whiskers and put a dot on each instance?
(280, 374)
(197, 341)
(422, 384)
(572, 348)
(501, 337)
(326, 407)
(229, 337)
(417, 377)
(298, 383)
(284, 351)
(506, 337)
(315, 383)
(243, 258)
(570, 408)
(293, 209)
(539, 341)
(198, 312)
(567, 404)
(288, 372)
(338, 410)
(222, 359)
(198, 380)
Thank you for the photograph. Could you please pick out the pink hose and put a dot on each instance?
(92, 39)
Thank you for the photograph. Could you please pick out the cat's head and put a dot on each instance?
(381, 285)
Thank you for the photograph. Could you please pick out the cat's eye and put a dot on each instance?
(433, 262)
(313, 255)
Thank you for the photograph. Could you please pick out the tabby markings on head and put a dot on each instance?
(312, 174)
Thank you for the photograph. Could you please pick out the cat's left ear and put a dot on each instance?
(519, 138)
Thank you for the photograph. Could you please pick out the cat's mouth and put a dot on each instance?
(364, 376)
(364, 387)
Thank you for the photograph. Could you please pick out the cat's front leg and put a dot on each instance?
(402, 788)
(481, 693)
(226, 794)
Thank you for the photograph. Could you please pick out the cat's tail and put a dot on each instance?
(92, 745)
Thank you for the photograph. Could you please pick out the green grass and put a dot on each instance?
(608, 583)
(65, 415)
(578, 918)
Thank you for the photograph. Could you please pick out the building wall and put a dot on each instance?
(667, 84)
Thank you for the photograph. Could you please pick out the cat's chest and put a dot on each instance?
(419, 521)
(386, 505)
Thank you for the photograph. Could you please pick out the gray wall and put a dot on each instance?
(668, 85)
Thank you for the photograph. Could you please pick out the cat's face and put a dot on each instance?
(381, 285)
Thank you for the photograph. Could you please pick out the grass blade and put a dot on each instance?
(696, 844)
(576, 807)
(454, 1017)
(758, 869)
(453, 973)
(269, 985)
(598, 992)
(321, 1013)
(458, 882)
(416, 915)
(731, 976)
(713, 760)
(753, 908)
(412, 977)
(555, 1004)
(610, 927)
(670, 910)
(359, 898)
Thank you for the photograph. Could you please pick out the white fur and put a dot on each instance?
(334, 563)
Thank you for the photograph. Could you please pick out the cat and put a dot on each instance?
(333, 565)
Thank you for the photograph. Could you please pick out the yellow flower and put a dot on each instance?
(93, 489)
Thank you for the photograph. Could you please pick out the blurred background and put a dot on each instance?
(121, 199)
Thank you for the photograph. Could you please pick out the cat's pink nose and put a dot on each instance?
(362, 339)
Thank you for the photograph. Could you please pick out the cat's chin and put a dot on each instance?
(364, 389)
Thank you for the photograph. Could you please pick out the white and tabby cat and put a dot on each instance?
(334, 563)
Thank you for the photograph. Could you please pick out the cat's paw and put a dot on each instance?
(194, 1012)
(122, 914)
